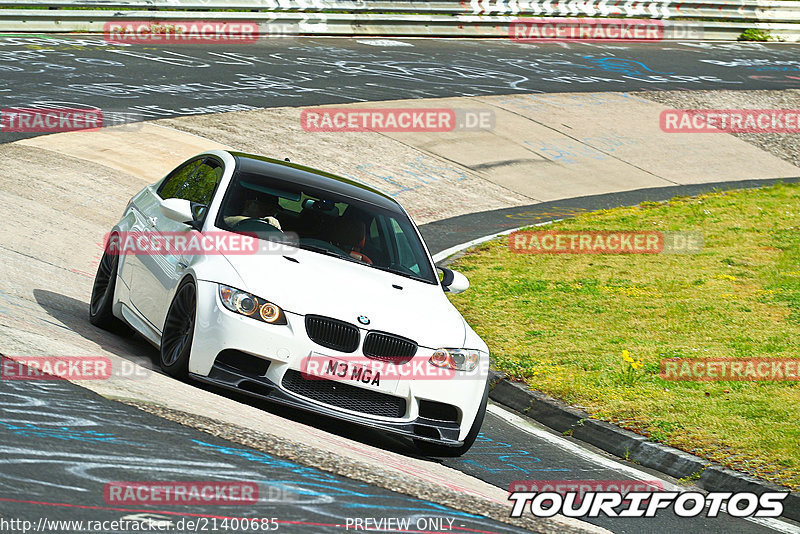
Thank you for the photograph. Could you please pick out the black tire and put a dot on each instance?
(176, 339)
(443, 451)
(105, 282)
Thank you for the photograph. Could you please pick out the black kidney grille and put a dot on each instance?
(331, 333)
(389, 348)
(345, 396)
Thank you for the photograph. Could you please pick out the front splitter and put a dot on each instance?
(263, 388)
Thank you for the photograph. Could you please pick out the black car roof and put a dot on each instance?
(307, 176)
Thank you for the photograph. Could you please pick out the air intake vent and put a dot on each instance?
(345, 396)
(438, 411)
(389, 348)
(242, 362)
(332, 333)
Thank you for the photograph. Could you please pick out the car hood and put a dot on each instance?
(306, 282)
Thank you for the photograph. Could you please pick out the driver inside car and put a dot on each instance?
(350, 235)
(257, 206)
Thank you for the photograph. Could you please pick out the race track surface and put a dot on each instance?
(62, 444)
(152, 81)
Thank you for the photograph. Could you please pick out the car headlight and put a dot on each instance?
(245, 303)
(457, 359)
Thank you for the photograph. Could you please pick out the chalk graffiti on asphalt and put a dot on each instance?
(506, 458)
(294, 71)
(59, 440)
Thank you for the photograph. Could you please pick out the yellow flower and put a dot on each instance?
(636, 364)
(626, 356)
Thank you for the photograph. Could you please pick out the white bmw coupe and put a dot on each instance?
(338, 309)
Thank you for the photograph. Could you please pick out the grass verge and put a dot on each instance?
(592, 329)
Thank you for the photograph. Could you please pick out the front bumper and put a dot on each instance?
(284, 347)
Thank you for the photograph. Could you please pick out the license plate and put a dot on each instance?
(348, 372)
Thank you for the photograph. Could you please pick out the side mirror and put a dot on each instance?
(453, 281)
(177, 209)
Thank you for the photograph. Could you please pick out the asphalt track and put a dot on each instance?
(49, 456)
(446, 233)
(61, 444)
(153, 81)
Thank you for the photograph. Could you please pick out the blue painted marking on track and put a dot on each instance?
(629, 67)
(62, 432)
(513, 460)
(318, 482)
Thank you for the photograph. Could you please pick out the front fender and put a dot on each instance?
(215, 268)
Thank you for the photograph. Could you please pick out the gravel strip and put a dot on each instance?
(783, 145)
(312, 457)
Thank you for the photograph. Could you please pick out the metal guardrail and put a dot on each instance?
(756, 10)
(358, 6)
(714, 19)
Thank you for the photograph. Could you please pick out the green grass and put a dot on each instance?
(754, 34)
(562, 322)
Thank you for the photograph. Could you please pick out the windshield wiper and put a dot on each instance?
(327, 252)
(400, 273)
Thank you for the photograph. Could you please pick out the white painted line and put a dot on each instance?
(382, 42)
(575, 449)
(597, 459)
(439, 256)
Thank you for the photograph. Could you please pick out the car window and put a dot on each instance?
(177, 178)
(195, 182)
(291, 204)
(404, 251)
(324, 222)
(295, 205)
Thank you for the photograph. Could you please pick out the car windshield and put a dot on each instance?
(326, 223)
